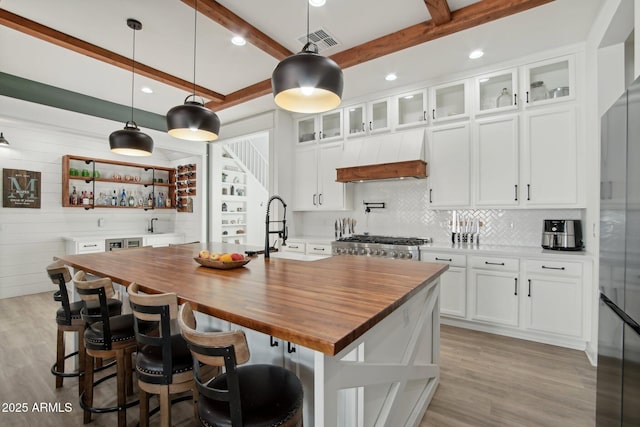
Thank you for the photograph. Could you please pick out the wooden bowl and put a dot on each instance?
(221, 265)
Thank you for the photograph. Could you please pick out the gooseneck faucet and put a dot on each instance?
(282, 233)
(150, 230)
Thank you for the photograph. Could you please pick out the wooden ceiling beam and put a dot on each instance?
(74, 44)
(439, 11)
(229, 20)
(243, 95)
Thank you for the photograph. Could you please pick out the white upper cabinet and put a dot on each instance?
(549, 81)
(449, 101)
(368, 118)
(550, 160)
(496, 92)
(449, 162)
(322, 127)
(411, 109)
(497, 174)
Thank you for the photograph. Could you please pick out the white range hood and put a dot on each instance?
(385, 156)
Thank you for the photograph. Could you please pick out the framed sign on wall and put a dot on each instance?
(20, 189)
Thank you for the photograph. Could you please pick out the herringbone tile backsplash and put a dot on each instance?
(407, 213)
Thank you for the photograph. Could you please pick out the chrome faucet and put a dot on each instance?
(150, 230)
(282, 233)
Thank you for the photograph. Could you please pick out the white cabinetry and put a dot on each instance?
(327, 126)
(163, 239)
(315, 183)
(449, 162)
(449, 101)
(411, 109)
(367, 118)
(497, 173)
(453, 283)
(554, 297)
(496, 92)
(550, 159)
(494, 290)
(548, 82)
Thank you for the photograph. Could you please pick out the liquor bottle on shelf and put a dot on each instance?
(114, 198)
(123, 198)
(74, 197)
(85, 197)
(150, 200)
(132, 200)
(90, 197)
(160, 202)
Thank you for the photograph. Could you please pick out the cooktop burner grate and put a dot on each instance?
(385, 240)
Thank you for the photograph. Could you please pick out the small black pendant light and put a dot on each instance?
(130, 141)
(307, 82)
(192, 120)
(3, 141)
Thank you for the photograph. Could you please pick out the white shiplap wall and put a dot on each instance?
(30, 238)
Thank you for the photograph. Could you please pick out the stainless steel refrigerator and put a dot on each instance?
(618, 387)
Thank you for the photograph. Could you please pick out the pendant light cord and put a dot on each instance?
(133, 69)
(195, 40)
(307, 22)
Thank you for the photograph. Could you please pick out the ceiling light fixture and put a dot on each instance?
(238, 40)
(130, 141)
(192, 120)
(307, 82)
(3, 141)
(317, 3)
(476, 54)
(390, 77)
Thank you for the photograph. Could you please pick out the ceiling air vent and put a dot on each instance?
(321, 38)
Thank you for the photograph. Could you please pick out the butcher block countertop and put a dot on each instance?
(323, 305)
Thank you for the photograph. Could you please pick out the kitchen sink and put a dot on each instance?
(297, 256)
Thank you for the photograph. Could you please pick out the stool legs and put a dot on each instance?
(88, 386)
(60, 357)
(144, 408)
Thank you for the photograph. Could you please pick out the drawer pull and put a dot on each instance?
(553, 268)
(444, 259)
(493, 263)
(294, 246)
(89, 246)
(318, 249)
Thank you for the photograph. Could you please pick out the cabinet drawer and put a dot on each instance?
(92, 246)
(319, 248)
(293, 247)
(556, 268)
(494, 263)
(454, 260)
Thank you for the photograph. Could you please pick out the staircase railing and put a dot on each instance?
(252, 160)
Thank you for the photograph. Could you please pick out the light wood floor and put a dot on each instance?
(486, 380)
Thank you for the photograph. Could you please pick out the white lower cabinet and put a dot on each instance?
(453, 283)
(494, 296)
(553, 300)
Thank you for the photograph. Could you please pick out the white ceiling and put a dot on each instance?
(166, 43)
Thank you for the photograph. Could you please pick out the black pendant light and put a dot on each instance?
(3, 141)
(130, 141)
(307, 82)
(192, 120)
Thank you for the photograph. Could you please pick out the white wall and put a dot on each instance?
(29, 238)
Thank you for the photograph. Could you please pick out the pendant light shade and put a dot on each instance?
(193, 121)
(3, 141)
(307, 82)
(131, 141)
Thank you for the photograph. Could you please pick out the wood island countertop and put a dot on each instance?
(323, 305)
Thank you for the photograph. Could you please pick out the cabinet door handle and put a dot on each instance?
(320, 198)
(553, 268)
(320, 135)
(314, 200)
(433, 114)
(430, 193)
(529, 294)
(515, 292)
(516, 185)
(363, 126)
(528, 192)
(493, 263)
(424, 115)
(515, 99)
(272, 342)
(527, 97)
(290, 348)
(443, 259)
(370, 125)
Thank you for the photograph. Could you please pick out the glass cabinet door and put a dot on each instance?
(412, 108)
(449, 102)
(549, 81)
(307, 129)
(496, 92)
(331, 125)
(355, 120)
(379, 115)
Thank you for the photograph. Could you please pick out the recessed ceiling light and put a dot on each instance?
(238, 40)
(317, 3)
(476, 54)
(484, 80)
(408, 97)
(146, 89)
(390, 77)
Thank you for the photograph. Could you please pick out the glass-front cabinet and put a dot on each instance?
(496, 92)
(449, 101)
(325, 127)
(367, 119)
(549, 81)
(355, 120)
(331, 125)
(306, 127)
(412, 109)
